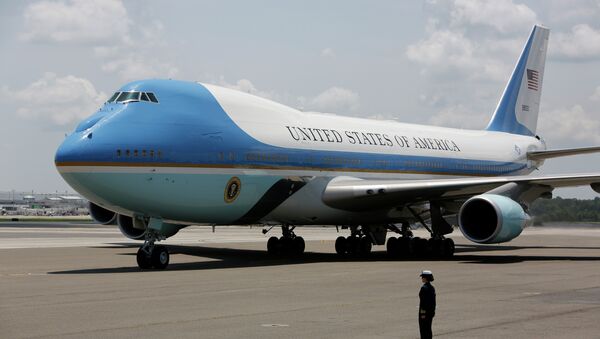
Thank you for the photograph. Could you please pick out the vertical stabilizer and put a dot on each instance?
(517, 111)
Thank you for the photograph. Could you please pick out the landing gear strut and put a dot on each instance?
(288, 244)
(357, 244)
(437, 246)
(151, 255)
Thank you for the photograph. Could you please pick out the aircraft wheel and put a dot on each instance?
(448, 248)
(352, 245)
(340, 245)
(160, 257)
(435, 247)
(392, 247)
(273, 245)
(404, 247)
(299, 245)
(420, 246)
(364, 246)
(143, 259)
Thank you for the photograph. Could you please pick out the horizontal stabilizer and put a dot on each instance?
(555, 153)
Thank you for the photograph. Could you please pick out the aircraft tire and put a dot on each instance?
(340, 245)
(286, 246)
(352, 245)
(143, 259)
(273, 246)
(299, 245)
(448, 248)
(404, 248)
(435, 247)
(160, 257)
(364, 246)
(420, 247)
(392, 247)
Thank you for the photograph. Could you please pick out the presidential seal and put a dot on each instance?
(232, 190)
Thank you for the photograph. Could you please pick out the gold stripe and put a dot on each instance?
(262, 167)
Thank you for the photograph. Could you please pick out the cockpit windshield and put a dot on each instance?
(126, 97)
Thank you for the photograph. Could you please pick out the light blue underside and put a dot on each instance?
(189, 197)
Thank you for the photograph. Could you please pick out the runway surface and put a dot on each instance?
(72, 281)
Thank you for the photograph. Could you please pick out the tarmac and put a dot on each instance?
(81, 280)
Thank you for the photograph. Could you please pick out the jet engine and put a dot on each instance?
(492, 219)
(102, 215)
(131, 228)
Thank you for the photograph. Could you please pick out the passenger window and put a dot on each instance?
(145, 97)
(152, 97)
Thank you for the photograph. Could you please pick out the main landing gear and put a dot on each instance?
(415, 247)
(151, 255)
(289, 244)
(358, 243)
(437, 247)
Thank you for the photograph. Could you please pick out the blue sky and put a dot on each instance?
(433, 62)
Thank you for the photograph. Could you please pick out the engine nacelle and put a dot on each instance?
(492, 219)
(102, 215)
(131, 228)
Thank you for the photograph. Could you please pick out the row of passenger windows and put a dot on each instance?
(139, 153)
(126, 97)
(341, 161)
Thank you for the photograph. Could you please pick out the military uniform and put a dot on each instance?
(426, 309)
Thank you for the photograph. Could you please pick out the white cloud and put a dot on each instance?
(246, 86)
(455, 47)
(58, 100)
(503, 15)
(334, 99)
(132, 66)
(565, 125)
(581, 43)
(596, 95)
(124, 47)
(447, 52)
(328, 52)
(87, 21)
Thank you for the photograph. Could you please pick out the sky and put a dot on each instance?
(432, 62)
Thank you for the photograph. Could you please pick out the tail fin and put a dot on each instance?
(517, 111)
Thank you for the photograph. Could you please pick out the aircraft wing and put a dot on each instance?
(357, 194)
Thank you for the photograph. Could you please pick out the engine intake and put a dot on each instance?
(131, 228)
(102, 215)
(492, 219)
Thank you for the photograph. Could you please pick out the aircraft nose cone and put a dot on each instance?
(73, 148)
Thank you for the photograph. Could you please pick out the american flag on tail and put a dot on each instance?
(533, 79)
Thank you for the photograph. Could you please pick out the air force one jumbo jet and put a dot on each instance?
(161, 155)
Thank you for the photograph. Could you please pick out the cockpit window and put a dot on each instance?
(114, 97)
(128, 97)
(152, 97)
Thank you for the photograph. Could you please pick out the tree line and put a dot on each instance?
(559, 209)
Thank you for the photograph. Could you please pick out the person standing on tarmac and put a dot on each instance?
(426, 305)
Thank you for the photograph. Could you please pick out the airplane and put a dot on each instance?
(161, 155)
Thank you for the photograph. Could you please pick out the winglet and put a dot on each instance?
(517, 110)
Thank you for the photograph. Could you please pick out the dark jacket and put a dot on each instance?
(427, 300)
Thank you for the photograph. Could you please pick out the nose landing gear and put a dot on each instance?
(151, 255)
